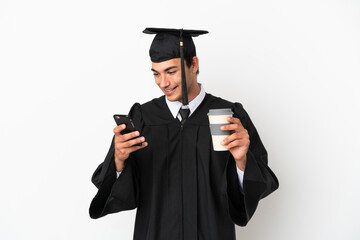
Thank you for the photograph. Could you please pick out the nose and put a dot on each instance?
(164, 81)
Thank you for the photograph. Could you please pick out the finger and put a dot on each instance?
(123, 147)
(127, 151)
(127, 136)
(233, 127)
(118, 129)
(230, 138)
(235, 120)
(238, 143)
(119, 138)
(132, 142)
(233, 137)
(135, 148)
(230, 127)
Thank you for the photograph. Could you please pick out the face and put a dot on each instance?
(168, 77)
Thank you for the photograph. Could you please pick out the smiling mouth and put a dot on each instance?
(169, 91)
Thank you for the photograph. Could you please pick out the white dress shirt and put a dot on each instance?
(174, 107)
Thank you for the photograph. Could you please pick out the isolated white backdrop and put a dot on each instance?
(67, 66)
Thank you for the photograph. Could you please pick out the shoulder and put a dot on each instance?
(218, 102)
(236, 107)
(153, 112)
(154, 108)
(156, 103)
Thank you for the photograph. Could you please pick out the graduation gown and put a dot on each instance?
(182, 189)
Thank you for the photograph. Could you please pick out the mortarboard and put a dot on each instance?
(173, 43)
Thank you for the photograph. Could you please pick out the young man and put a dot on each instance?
(181, 187)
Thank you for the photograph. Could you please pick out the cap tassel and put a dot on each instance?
(183, 76)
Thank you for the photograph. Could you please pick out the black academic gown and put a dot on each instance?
(182, 189)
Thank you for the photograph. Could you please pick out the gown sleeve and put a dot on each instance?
(259, 180)
(116, 194)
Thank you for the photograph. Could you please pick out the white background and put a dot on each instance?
(67, 66)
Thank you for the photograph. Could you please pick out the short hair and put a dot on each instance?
(188, 61)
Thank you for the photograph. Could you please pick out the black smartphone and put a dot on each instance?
(125, 119)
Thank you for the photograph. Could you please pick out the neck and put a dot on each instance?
(193, 90)
(194, 93)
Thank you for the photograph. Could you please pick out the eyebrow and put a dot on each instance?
(167, 69)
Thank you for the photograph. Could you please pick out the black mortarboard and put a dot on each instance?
(173, 43)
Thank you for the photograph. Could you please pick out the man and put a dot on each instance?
(181, 187)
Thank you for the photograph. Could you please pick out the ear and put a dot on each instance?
(195, 64)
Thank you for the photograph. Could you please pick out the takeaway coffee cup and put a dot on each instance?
(218, 118)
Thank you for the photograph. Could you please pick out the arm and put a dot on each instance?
(114, 194)
(117, 193)
(241, 178)
(259, 181)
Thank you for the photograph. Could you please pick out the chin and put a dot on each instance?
(173, 98)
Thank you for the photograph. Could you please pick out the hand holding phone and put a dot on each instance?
(125, 119)
(127, 140)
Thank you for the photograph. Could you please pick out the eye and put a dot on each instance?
(172, 72)
(156, 74)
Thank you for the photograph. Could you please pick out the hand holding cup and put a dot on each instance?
(238, 142)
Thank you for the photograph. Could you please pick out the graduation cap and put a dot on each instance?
(172, 43)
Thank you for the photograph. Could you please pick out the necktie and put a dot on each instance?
(184, 113)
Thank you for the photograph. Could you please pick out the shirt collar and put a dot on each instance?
(175, 106)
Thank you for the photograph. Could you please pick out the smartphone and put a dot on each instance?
(125, 119)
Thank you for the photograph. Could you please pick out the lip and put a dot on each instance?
(168, 93)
